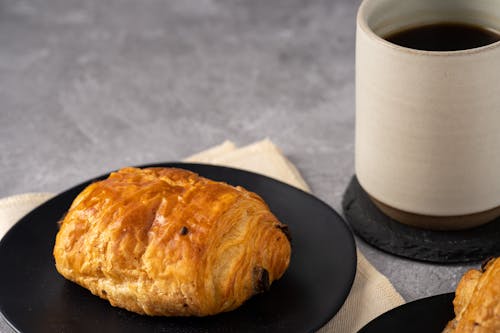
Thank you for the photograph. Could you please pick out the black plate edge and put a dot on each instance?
(7, 321)
(448, 296)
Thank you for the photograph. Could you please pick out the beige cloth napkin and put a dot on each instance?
(371, 295)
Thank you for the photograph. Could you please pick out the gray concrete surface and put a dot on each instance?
(87, 86)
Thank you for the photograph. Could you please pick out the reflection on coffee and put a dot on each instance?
(446, 36)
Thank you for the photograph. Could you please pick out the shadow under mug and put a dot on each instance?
(427, 122)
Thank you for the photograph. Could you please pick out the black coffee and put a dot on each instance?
(444, 37)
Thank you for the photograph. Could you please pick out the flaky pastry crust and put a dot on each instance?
(477, 301)
(168, 242)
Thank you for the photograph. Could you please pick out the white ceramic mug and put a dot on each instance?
(427, 122)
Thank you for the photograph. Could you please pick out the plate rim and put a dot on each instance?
(179, 164)
(399, 307)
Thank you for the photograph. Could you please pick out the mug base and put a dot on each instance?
(442, 223)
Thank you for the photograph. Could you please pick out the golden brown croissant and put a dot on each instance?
(477, 301)
(165, 241)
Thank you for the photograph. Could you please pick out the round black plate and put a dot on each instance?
(429, 315)
(35, 298)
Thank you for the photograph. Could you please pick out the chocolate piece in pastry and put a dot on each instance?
(477, 301)
(166, 241)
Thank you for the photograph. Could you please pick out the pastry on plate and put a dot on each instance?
(477, 301)
(168, 242)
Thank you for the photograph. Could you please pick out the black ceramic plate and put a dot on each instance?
(429, 315)
(35, 298)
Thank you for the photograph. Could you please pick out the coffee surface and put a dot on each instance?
(444, 37)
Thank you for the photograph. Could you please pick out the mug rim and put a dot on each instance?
(361, 19)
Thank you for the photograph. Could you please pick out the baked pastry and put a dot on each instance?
(168, 242)
(477, 301)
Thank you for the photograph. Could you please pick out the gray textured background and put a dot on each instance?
(88, 86)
